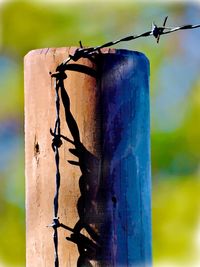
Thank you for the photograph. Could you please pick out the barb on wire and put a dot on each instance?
(156, 31)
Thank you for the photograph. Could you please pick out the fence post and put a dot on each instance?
(108, 193)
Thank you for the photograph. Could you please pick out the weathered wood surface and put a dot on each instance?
(112, 115)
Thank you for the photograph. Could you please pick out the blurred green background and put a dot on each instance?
(175, 110)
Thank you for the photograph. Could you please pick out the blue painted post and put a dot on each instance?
(126, 178)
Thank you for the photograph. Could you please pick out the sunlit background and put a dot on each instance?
(175, 110)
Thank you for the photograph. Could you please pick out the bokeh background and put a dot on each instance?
(175, 110)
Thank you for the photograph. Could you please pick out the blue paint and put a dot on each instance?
(126, 180)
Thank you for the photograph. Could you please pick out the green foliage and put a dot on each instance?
(12, 213)
(176, 206)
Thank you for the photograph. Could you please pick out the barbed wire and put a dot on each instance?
(155, 31)
(59, 76)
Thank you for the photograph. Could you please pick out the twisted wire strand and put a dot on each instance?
(155, 31)
(56, 143)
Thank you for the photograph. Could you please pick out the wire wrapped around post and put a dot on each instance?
(56, 143)
(90, 53)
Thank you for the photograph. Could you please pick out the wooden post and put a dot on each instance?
(105, 199)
